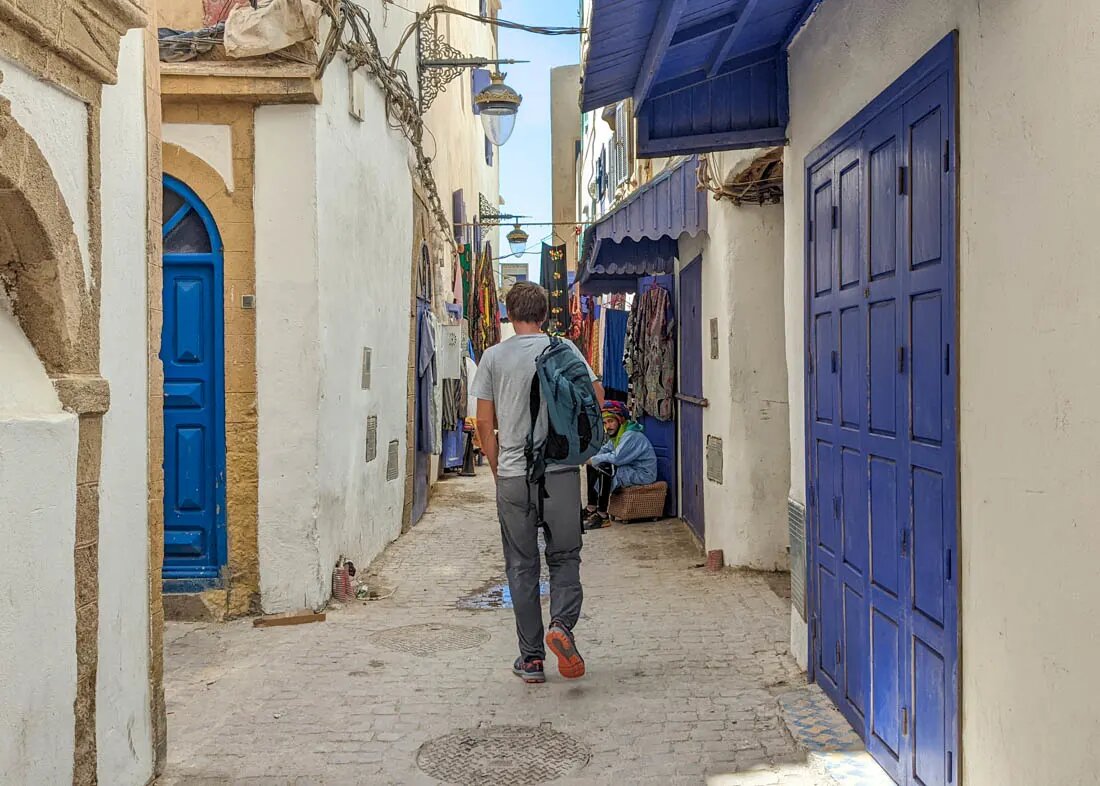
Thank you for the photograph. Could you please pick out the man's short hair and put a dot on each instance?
(527, 302)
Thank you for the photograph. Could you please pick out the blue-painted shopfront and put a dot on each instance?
(881, 343)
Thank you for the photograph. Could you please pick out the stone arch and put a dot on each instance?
(41, 270)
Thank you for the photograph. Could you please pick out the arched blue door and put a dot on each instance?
(194, 398)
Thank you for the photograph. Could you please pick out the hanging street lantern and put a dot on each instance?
(517, 240)
(498, 105)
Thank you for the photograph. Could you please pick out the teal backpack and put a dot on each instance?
(575, 431)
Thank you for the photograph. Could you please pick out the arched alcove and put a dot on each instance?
(41, 272)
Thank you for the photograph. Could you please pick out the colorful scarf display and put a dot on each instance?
(485, 321)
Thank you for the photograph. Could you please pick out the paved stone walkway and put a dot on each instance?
(686, 671)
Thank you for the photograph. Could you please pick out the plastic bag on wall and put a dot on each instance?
(252, 32)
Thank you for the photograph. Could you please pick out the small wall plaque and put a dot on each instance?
(714, 339)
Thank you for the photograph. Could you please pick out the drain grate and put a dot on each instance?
(430, 639)
(503, 756)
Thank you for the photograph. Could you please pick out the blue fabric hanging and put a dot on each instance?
(614, 348)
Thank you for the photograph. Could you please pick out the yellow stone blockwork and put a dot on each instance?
(233, 213)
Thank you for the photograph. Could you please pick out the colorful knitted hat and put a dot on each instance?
(616, 408)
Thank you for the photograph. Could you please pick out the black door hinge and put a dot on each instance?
(836, 217)
(947, 155)
(901, 360)
(904, 542)
(949, 565)
(834, 360)
(947, 360)
(902, 173)
(836, 508)
(838, 653)
(810, 358)
(950, 766)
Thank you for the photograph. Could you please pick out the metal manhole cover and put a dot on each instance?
(430, 639)
(502, 756)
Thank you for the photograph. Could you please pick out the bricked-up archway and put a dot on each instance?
(43, 275)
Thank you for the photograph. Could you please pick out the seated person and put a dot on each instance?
(626, 460)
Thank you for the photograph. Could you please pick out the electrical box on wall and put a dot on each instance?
(714, 339)
(366, 369)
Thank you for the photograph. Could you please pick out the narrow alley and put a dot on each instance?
(687, 673)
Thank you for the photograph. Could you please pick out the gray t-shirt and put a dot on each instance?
(504, 377)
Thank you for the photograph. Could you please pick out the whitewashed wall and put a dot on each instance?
(38, 444)
(1029, 327)
(746, 386)
(365, 210)
(289, 365)
(123, 725)
(38, 508)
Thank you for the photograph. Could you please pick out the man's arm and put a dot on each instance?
(487, 431)
(598, 387)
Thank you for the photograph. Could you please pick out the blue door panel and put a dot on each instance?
(194, 418)
(885, 538)
(422, 462)
(690, 321)
(929, 762)
(886, 681)
(856, 650)
(881, 424)
(853, 495)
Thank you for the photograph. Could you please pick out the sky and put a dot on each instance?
(525, 177)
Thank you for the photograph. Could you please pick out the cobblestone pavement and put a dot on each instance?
(686, 672)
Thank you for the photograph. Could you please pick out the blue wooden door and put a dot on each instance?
(194, 400)
(422, 463)
(881, 425)
(662, 433)
(690, 321)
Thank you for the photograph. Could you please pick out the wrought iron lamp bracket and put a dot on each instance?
(490, 216)
(439, 63)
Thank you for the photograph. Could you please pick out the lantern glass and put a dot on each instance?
(498, 128)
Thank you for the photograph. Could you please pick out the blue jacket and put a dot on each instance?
(632, 456)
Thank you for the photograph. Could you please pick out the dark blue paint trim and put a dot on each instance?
(722, 52)
(667, 20)
(176, 218)
(800, 23)
(189, 585)
(215, 257)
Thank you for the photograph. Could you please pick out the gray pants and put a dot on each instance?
(518, 514)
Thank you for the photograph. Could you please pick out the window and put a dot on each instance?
(621, 164)
(479, 80)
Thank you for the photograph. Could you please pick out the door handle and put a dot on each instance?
(699, 402)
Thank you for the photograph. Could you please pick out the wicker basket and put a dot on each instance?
(635, 503)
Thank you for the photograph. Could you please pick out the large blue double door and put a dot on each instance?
(882, 427)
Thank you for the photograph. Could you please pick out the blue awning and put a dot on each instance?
(639, 238)
(704, 74)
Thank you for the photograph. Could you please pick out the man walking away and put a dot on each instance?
(503, 390)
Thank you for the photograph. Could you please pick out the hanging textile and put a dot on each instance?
(427, 436)
(614, 349)
(465, 265)
(554, 279)
(575, 317)
(486, 322)
(651, 355)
